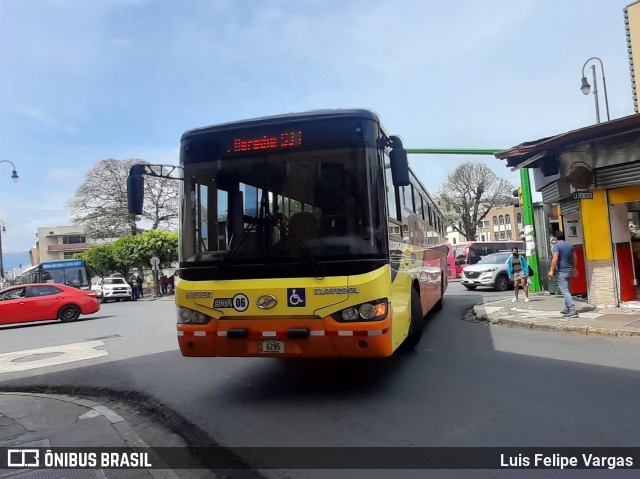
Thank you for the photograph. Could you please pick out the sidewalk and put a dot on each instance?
(45, 420)
(542, 312)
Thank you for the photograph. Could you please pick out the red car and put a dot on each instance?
(39, 302)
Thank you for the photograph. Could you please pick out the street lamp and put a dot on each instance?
(585, 87)
(14, 173)
(1, 264)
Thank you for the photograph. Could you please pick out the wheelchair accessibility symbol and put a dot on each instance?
(296, 298)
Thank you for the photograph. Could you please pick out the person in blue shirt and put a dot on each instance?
(518, 269)
(563, 265)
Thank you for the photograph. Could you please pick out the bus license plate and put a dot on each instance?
(272, 346)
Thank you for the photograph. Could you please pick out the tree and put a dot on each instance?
(99, 260)
(131, 252)
(160, 244)
(468, 194)
(100, 202)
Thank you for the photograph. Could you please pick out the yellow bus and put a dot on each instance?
(302, 235)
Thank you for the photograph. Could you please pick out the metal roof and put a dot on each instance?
(527, 154)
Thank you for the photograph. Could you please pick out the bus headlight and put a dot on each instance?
(189, 316)
(372, 311)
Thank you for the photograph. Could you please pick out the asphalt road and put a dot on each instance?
(466, 384)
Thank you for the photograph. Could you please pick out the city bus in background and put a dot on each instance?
(470, 252)
(451, 262)
(302, 235)
(72, 272)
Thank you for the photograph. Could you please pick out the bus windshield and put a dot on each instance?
(302, 207)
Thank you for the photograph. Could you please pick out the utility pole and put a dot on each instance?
(527, 206)
(529, 230)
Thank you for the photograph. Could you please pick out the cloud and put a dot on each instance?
(36, 114)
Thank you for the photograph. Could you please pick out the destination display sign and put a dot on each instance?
(278, 141)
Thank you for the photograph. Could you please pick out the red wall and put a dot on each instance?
(579, 283)
(625, 271)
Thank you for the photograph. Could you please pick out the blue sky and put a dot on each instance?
(81, 81)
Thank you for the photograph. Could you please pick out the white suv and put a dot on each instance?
(112, 288)
(492, 270)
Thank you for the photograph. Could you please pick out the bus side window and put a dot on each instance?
(474, 257)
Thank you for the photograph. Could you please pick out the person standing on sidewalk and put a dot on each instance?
(517, 269)
(564, 266)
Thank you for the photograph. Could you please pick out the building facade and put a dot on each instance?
(58, 242)
(503, 222)
(592, 177)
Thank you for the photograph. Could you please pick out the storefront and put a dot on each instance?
(592, 176)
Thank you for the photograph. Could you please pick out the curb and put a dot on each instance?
(130, 437)
(478, 314)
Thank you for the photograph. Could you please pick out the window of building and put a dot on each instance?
(507, 219)
(519, 218)
(495, 220)
(501, 219)
(73, 239)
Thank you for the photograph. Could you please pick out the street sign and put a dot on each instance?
(155, 262)
(583, 195)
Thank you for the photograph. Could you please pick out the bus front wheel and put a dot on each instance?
(416, 323)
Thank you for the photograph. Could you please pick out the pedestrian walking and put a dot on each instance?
(172, 283)
(563, 265)
(134, 287)
(164, 283)
(518, 269)
(139, 284)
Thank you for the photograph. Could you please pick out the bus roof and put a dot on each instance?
(287, 117)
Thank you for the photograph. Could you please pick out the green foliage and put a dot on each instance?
(99, 260)
(129, 252)
(157, 243)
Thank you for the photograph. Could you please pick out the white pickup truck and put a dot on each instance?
(112, 288)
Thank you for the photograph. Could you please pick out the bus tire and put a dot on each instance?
(416, 325)
(69, 313)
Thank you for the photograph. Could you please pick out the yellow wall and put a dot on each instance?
(595, 227)
(624, 195)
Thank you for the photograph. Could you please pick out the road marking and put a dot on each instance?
(50, 356)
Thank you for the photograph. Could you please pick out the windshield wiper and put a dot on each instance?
(319, 269)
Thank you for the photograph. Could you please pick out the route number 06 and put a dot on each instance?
(240, 302)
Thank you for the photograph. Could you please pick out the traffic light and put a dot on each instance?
(517, 193)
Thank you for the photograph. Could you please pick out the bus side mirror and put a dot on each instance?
(135, 190)
(399, 163)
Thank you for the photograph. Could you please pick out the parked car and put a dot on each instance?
(39, 302)
(491, 270)
(112, 288)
